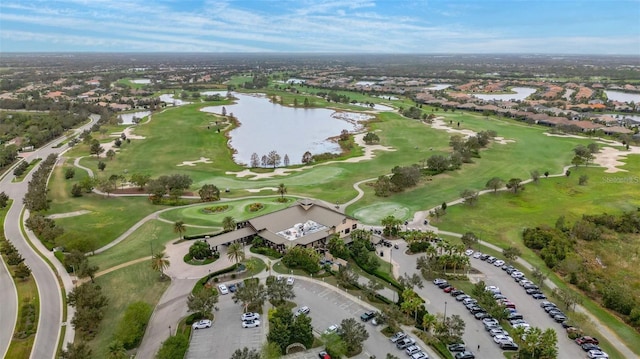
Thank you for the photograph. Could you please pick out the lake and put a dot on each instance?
(168, 98)
(265, 126)
(141, 81)
(127, 118)
(622, 96)
(438, 87)
(521, 93)
(634, 118)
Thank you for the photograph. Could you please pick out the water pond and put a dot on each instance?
(520, 94)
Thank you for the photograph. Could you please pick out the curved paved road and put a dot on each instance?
(50, 315)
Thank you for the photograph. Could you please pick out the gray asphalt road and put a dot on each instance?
(50, 320)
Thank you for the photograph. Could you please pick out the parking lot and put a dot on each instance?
(226, 334)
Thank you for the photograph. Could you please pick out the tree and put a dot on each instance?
(76, 190)
(69, 173)
(89, 303)
(245, 353)
(273, 159)
(337, 247)
(200, 250)
(286, 160)
(582, 181)
(255, 160)
(117, 350)
(307, 158)
(535, 176)
(96, 148)
(334, 344)
(179, 228)
(282, 190)
(511, 253)
(470, 196)
(111, 154)
(346, 276)
(202, 302)
(4, 199)
(428, 321)
(371, 288)
(279, 291)
(235, 252)
(438, 163)
(209, 192)
(102, 165)
(495, 184)
(391, 225)
(515, 185)
(383, 186)
(228, 224)
(140, 180)
(22, 271)
(411, 303)
(252, 295)
(593, 147)
(469, 239)
(160, 262)
(577, 161)
(302, 331)
(371, 138)
(106, 186)
(410, 281)
(77, 350)
(353, 334)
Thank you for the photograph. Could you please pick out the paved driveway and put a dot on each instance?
(226, 334)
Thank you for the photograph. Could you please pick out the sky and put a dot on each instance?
(322, 26)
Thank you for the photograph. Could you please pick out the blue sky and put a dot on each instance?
(355, 26)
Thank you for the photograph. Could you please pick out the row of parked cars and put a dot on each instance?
(587, 343)
(492, 325)
(408, 345)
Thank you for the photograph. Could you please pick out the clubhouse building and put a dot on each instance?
(307, 223)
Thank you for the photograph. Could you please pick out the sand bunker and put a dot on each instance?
(611, 158)
(439, 124)
(193, 163)
(368, 154)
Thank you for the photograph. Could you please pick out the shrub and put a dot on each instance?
(200, 250)
(131, 327)
(255, 207)
(174, 347)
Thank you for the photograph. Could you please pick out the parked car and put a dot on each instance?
(412, 349)
(508, 345)
(367, 316)
(484, 257)
(498, 263)
(439, 281)
(456, 292)
(449, 289)
(324, 355)
(501, 338)
(223, 289)
(334, 328)
(587, 339)
(204, 323)
(481, 315)
(405, 343)
(590, 346)
(420, 355)
(232, 288)
(477, 255)
(599, 354)
(546, 303)
(496, 331)
(250, 316)
(462, 297)
(250, 323)
(468, 252)
(302, 310)
(398, 336)
(290, 280)
(456, 347)
(538, 296)
(465, 355)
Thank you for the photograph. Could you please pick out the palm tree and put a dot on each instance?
(116, 350)
(235, 252)
(250, 265)
(282, 190)
(179, 228)
(160, 262)
(228, 224)
(428, 321)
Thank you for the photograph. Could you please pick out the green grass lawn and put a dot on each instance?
(123, 287)
(239, 210)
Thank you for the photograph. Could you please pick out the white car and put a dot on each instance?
(204, 323)
(290, 280)
(597, 354)
(502, 338)
(332, 329)
(250, 316)
(419, 355)
(223, 289)
(302, 310)
(517, 274)
(251, 323)
(279, 278)
(498, 263)
(469, 252)
(477, 255)
(413, 349)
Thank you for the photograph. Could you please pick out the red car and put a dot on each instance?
(448, 289)
(585, 340)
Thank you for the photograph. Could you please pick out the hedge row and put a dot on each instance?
(200, 285)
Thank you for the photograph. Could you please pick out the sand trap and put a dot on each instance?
(599, 140)
(611, 158)
(193, 163)
(358, 138)
(256, 190)
(68, 214)
(439, 124)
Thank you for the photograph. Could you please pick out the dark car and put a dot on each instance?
(481, 315)
(456, 292)
(560, 318)
(465, 355)
(590, 346)
(232, 288)
(584, 340)
(367, 316)
(538, 296)
(457, 347)
(484, 257)
(508, 346)
(444, 285)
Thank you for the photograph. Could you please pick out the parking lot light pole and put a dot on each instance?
(169, 331)
(445, 312)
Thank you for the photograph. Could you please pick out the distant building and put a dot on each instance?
(307, 224)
